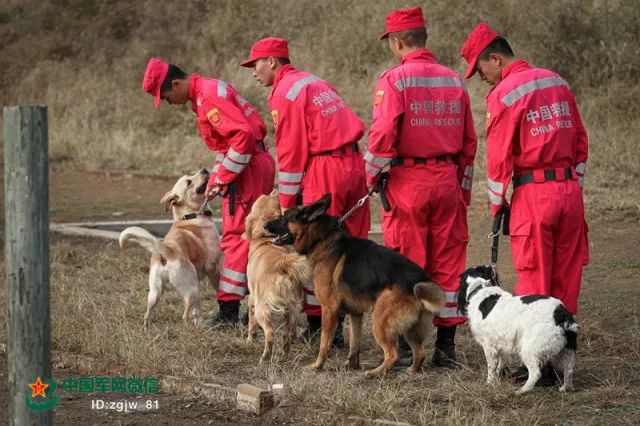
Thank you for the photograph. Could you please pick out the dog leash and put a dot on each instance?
(359, 204)
(501, 219)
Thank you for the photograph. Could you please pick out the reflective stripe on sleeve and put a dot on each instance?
(495, 200)
(378, 161)
(496, 187)
(468, 171)
(290, 177)
(580, 168)
(288, 189)
(234, 167)
(237, 157)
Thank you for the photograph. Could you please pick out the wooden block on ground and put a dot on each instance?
(254, 399)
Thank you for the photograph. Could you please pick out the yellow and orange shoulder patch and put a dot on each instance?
(377, 100)
(274, 117)
(214, 116)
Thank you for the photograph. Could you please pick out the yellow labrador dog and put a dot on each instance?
(275, 277)
(188, 253)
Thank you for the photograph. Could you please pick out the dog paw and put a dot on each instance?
(564, 388)
(412, 370)
(350, 365)
(314, 366)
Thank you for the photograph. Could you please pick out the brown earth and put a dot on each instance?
(607, 376)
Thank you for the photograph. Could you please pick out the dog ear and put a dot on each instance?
(318, 208)
(462, 294)
(169, 200)
(248, 228)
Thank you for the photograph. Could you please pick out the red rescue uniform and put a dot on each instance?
(317, 150)
(535, 133)
(231, 127)
(423, 128)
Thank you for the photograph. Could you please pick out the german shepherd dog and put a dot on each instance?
(357, 275)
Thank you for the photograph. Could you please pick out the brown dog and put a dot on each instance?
(275, 277)
(188, 253)
(358, 275)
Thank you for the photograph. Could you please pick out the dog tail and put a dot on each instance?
(142, 237)
(567, 322)
(431, 296)
(293, 272)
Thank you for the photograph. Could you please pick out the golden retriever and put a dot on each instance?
(188, 253)
(275, 276)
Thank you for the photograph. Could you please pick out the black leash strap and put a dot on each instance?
(501, 219)
(380, 187)
(232, 198)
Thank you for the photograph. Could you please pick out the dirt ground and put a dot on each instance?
(91, 277)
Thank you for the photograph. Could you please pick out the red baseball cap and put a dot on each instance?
(154, 76)
(481, 36)
(403, 19)
(265, 48)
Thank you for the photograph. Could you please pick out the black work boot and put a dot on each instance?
(314, 330)
(227, 315)
(338, 337)
(549, 376)
(405, 355)
(445, 351)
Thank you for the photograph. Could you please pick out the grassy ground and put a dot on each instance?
(98, 300)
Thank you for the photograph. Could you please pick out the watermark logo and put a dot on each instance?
(42, 396)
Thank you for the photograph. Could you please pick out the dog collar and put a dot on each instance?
(194, 215)
(474, 291)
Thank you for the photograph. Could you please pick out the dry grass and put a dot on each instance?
(85, 59)
(98, 300)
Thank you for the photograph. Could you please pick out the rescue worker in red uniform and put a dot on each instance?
(423, 131)
(243, 168)
(535, 139)
(317, 138)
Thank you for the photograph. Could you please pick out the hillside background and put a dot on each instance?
(85, 61)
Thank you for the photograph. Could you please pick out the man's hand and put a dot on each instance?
(212, 191)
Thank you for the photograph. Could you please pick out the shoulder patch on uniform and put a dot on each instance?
(488, 120)
(274, 117)
(214, 117)
(377, 100)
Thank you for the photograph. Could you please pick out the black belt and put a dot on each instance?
(261, 145)
(548, 176)
(353, 147)
(419, 160)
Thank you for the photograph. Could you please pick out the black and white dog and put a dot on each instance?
(532, 329)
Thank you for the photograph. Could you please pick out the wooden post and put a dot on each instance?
(26, 188)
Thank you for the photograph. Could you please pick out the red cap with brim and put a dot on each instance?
(265, 48)
(481, 36)
(154, 76)
(403, 19)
